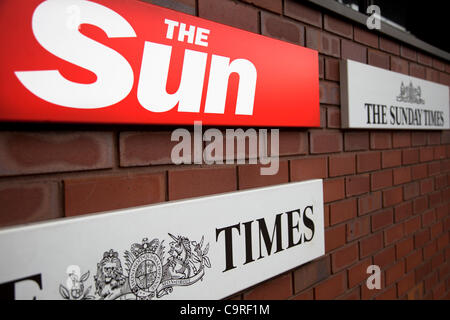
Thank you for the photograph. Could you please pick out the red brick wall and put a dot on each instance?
(387, 193)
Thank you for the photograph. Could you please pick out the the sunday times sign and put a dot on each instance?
(375, 98)
(204, 248)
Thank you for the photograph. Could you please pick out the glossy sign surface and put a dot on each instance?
(131, 62)
(203, 248)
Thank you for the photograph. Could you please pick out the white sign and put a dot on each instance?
(204, 248)
(375, 98)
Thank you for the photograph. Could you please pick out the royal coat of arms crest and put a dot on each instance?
(148, 272)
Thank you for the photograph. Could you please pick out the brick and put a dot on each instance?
(97, 194)
(333, 117)
(391, 159)
(272, 5)
(410, 156)
(371, 244)
(401, 139)
(353, 51)
(419, 172)
(392, 197)
(429, 250)
(434, 168)
(441, 212)
(439, 291)
(323, 115)
(403, 211)
(338, 26)
(190, 183)
(356, 185)
(445, 137)
(307, 295)
(439, 153)
(354, 294)
(334, 237)
(311, 273)
(434, 138)
(344, 257)
(416, 293)
(326, 213)
(434, 198)
(323, 42)
(276, 27)
(380, 140)
(426, 154)
(413, 260)
(369, 161)
(408, 53)
(437, 64)
(369, 203)
(399, 65)
(385, 257)
(402, 175)
(303, 13)
(388, 294)
(441, 181)
(186, 6)
(369, 294)
(431, 281)
(412, 225)
(432, 75)
(325, 141)
(423, 271)
(355, 141)
(342, 211)
(378, 59)
(411, 190)
(395, 272)
(393, 234)
(329, 92)
(365, 37)
(444, 79)
(416, 70)
(428, 217)
(389, 46)
(250, 176)
(230, 13)
(332, 287)
(420, 204)
(333, 190)
(418, 138)
(279, 288)
(308, 168)
(332, 69)
(45, 152)
(437, 229)
(29, 202)
(424, 59)
(321, 67)
(442, 241)
(437, 262)
(421, 237)
(358, 273)
(382, 219)
(404, 247)
(358, 228)
(405, 284)
(145, 148)
(293, 143)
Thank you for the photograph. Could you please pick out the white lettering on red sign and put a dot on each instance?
(114, 84)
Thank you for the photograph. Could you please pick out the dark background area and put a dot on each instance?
(426, 20)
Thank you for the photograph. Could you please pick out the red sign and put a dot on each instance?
(131, 62)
